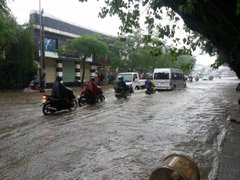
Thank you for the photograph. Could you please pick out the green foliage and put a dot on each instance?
(238, 8)
(16, 52)
(23, 49)
(129, 12)
(84, 47)
(148, 51)
(133, 54)
(188, 7)
(8, 27)
(186, 63)
(4, 8)
(218, 62)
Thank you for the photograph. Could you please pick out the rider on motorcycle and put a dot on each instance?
(60, 91)
(149, 84)
(120, 85)
(92, 89)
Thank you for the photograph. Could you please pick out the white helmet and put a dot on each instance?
(120, 77)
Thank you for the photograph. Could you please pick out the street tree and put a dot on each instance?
(85, 47)
(17, 65)
(216, 20)
(8, 27)
(134, 54)
(186, 63)
(16, 50)
(123, 48)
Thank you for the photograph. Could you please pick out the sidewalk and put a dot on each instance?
(229, 165)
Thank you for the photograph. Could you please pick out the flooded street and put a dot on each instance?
(116, 139)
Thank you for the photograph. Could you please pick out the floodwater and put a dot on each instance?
(116, 139)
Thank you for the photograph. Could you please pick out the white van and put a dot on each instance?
(168, 79)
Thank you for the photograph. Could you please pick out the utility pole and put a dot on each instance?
(42, 50)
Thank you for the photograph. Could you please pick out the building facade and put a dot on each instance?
(56, 33)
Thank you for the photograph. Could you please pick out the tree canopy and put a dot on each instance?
(84, 47)
(16, 51)
(216, 20)
(133, 54)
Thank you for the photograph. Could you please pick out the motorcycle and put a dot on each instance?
(85, 98)
(34, 85)
(124, 94)
(52, 104)
(150, 91)
(190, 78)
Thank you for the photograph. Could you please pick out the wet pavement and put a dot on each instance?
(116, 139)
(229, 166)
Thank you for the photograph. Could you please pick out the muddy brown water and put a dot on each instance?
(116, 139)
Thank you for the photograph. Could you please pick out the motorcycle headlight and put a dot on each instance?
(44, 98)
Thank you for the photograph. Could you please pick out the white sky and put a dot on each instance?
(204, 59)
(72, 11)
(81, 14)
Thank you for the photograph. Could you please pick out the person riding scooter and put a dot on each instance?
(150, 86)
(120, 85)
(60, 91)
(92, 89)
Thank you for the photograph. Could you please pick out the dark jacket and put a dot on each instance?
(59, 90)
(149, 84)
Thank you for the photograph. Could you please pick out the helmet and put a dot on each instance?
(120, 77)
(58, 79)
(149, 77)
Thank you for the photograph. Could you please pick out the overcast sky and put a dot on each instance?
(81, 14)
(72, 11)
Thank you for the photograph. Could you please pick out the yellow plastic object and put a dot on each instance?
(176, 167)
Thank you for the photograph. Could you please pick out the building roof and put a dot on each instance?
(57, 24)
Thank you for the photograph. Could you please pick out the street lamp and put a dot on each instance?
(42, 51)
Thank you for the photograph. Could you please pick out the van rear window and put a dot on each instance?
(161, 75)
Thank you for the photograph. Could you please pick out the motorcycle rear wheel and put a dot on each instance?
(48, 109)
(100, 98)
(127, 94)
(82, 101)
(74, 105)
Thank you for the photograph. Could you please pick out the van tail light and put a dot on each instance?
(170, 82)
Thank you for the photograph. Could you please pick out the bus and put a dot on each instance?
(169, 79)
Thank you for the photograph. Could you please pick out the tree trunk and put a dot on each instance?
(83, 73)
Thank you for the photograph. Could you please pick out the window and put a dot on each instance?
(161, 75)
(177, 76)
(50, 44)
(127, 77)
(174, 76)
(134, 76)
